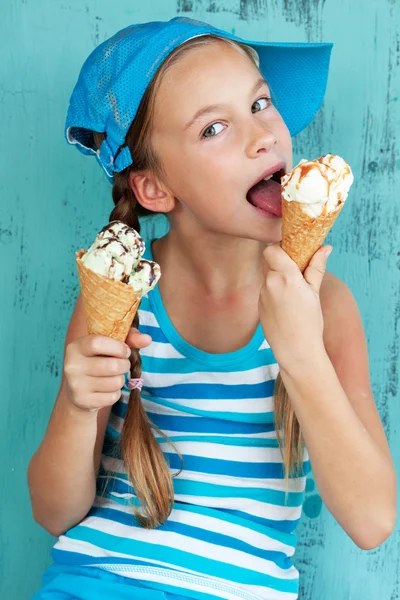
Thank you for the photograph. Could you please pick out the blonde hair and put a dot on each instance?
(144, 460)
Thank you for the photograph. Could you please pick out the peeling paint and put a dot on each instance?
(393, 358)
(184, 6)
(307, 14)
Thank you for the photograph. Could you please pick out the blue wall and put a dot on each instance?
(53, 200)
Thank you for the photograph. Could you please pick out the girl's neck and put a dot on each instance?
(218, 266)
(210, 288)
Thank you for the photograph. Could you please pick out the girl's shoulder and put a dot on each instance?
(344, 337)
(332, 285)
(346, 345)
(339, 309)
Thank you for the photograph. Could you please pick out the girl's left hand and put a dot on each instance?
(290, 308)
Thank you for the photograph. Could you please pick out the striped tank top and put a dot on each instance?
(231, 531)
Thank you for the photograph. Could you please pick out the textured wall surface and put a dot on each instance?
(53, 200)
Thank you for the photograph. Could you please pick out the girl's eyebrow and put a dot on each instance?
(214, 107)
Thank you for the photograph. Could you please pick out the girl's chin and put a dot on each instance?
(267, 228)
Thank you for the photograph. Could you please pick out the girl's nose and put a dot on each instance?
(260, 141)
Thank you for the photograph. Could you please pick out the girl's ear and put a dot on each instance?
(150, 193)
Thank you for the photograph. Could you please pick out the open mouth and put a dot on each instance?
(266, 194)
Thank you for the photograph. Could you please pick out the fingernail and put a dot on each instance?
(128, 352)
(328, 251)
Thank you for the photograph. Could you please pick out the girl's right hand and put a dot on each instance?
(94, 368)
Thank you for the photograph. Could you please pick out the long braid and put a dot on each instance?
(144, 460)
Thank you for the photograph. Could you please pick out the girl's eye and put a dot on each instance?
(262, 103)
(212, 130)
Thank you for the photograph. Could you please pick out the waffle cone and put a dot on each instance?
(303, 235)
(110, 305)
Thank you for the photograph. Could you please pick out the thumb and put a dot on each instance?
(135, 339)
(315, 271)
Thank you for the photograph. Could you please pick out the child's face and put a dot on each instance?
(211, 164)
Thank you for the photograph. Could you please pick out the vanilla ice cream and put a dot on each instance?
(320, 185)
(117, 253)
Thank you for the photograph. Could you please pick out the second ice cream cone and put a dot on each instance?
(303, 235)
(110, 305)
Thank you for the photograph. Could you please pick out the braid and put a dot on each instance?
(144, 460)
(125, 202)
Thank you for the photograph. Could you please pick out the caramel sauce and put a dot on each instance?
(305, 169)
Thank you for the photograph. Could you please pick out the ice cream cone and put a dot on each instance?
(303, 235)
(110, 305)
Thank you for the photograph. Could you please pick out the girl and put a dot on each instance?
(193, 486)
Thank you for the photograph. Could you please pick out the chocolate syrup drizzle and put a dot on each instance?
(139, 244)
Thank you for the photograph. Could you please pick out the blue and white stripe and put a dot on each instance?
(231, 532)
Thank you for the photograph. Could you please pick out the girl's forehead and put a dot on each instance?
(200, 64)
(208, 73)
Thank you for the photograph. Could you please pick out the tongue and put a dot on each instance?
(267, 196)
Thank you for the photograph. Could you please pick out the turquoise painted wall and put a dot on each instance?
(53, 200)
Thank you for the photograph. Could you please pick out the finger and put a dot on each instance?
(278, 260)
(100, 366)
(107, 384)
(101, 345)
(315, 271)
(102, 399)
(135, 339)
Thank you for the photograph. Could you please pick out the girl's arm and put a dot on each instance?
(329, 388)
(332, 398)
(62, 473)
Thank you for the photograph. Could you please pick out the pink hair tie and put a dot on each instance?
(135, 384)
